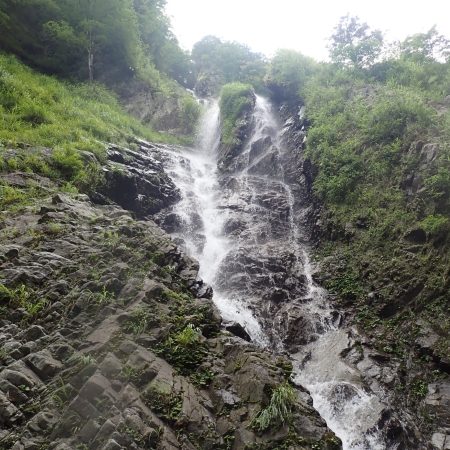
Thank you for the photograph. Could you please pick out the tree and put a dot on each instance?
(232, 61)
(4, 18)
(353, 44)
(288, 73)
(423, 47)
(117, 38)
(91, 27)
(64, 43)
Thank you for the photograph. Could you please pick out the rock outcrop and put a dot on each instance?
(109, 338)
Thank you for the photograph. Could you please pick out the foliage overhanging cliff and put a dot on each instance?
(378, 138)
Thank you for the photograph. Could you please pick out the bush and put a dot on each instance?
(279, 411)
(434, 224)
(235, 100)
(358, 134)
(189, 114)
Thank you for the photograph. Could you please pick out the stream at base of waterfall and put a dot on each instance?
(241, 226)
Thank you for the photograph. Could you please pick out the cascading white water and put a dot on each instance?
(337, 390)
(195, 173)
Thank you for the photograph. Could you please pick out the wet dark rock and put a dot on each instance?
(31, 334)
(172, 222)
(111, 366)
(43, 364)
(202, 290)
(405, 296)
(138, 183)
(426, 342)
(238, 330)
(42, 421)
(437, 402)
(417, 236)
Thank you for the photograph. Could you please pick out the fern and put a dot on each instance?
(279, 410)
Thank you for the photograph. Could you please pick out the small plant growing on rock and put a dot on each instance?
(82, 360)
(111, 240)
(420, 388)
(184, 350)
(279, 410)
(138, 322)
(167, 404)
(202, 378)
(188, 336)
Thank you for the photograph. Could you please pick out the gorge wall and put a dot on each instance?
(109, 338)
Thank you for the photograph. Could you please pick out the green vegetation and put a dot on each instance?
(288, 73)
(41, 111)
(22, 297)
(91, 39)
(279, 410)
(357, 140)
(185, 351)
(219, 62)
(235, 100)
(189, 114)
(166, 403)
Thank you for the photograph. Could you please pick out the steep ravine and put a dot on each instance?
(250, 226)
(109, 337)
(111, 340)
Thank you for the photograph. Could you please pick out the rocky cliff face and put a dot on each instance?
(151, 106)
(414, 391)
(109, 338)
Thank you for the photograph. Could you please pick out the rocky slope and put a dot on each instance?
(151, 106)
(393, 340)
(110, 340)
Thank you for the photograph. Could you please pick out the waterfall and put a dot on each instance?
(241, 226)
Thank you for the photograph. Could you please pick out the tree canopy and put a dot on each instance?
(354, 44)
(232, 61)
(94, 38)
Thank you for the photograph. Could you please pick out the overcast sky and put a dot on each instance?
(266, 25)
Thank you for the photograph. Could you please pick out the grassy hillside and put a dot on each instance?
(41, 111)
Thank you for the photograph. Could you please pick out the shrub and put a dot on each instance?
(189, 114)
(279, 410)
(235, 100)
(433, 224)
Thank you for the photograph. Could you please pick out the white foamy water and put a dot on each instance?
(339, 395)
(203, 213)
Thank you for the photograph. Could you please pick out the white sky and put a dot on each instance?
(266, 25)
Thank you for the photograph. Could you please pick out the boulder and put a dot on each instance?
(43, 364)
(437, 401)
(238, 330)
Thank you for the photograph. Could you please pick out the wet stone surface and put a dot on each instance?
(110, 339)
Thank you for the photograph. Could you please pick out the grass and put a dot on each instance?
(279, 409)
(22, 297)
(235, 100)
(42, 111)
